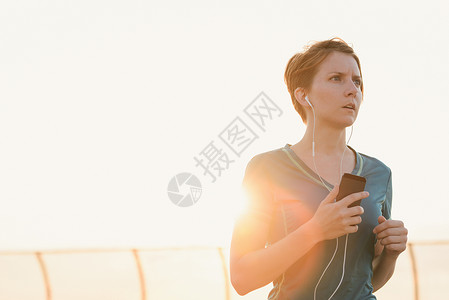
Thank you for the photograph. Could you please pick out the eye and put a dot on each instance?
(335, 77)
(358, 82)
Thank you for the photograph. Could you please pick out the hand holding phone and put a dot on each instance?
(351, 184)
(328, 219)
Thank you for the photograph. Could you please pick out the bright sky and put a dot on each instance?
(103, 102)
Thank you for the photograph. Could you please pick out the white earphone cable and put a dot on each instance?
(336, 246)
(343, 273)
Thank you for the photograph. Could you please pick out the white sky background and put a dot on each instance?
(103, 102)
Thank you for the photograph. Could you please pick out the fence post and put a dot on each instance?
(225, 274)
(44, 274)
(141, 277)
(414, 270)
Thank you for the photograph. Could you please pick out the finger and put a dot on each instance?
(352, 228)
(378, 248)
(393, 240)
(399, 247)
(354, 211)
(388, 224)
(354, 220)
(394, 231)
(346, 201)
(330, 198)
(381, 219)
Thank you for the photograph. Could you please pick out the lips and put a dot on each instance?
(350, 106)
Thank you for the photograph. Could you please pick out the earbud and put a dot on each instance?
(307, 99)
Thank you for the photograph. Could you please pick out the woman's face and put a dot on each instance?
(336, 85)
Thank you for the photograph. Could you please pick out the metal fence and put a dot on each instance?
(181, 273)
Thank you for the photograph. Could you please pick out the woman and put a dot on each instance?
(294, 233)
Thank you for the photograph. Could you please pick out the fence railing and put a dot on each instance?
(175, 273)
(411, 247)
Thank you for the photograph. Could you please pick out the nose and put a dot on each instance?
(351, 89)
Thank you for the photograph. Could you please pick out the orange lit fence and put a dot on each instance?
(422, 272)
(429, 260)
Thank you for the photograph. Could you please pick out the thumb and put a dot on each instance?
(330, 198)
(381, 219)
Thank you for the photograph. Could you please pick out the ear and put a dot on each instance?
(300, 95)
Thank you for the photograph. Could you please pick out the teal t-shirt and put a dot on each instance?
(284, 192)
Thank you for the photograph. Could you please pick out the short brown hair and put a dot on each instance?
(303, 66)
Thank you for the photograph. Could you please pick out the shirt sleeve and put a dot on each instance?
(257, 188)
(386, 206)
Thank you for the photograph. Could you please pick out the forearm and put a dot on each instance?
(258, 268)
(383, 269)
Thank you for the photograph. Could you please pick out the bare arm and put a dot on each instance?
(392, 241)
(253, 266)
(383, 269)
(261, 266)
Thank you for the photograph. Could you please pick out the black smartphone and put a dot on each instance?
(351, 184)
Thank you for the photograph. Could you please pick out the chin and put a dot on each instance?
(345, 123)
(342, 122)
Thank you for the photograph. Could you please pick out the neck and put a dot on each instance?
(329, 141)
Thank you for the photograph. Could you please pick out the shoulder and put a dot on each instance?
(373, 164)
(267, 159)
(264, 165)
